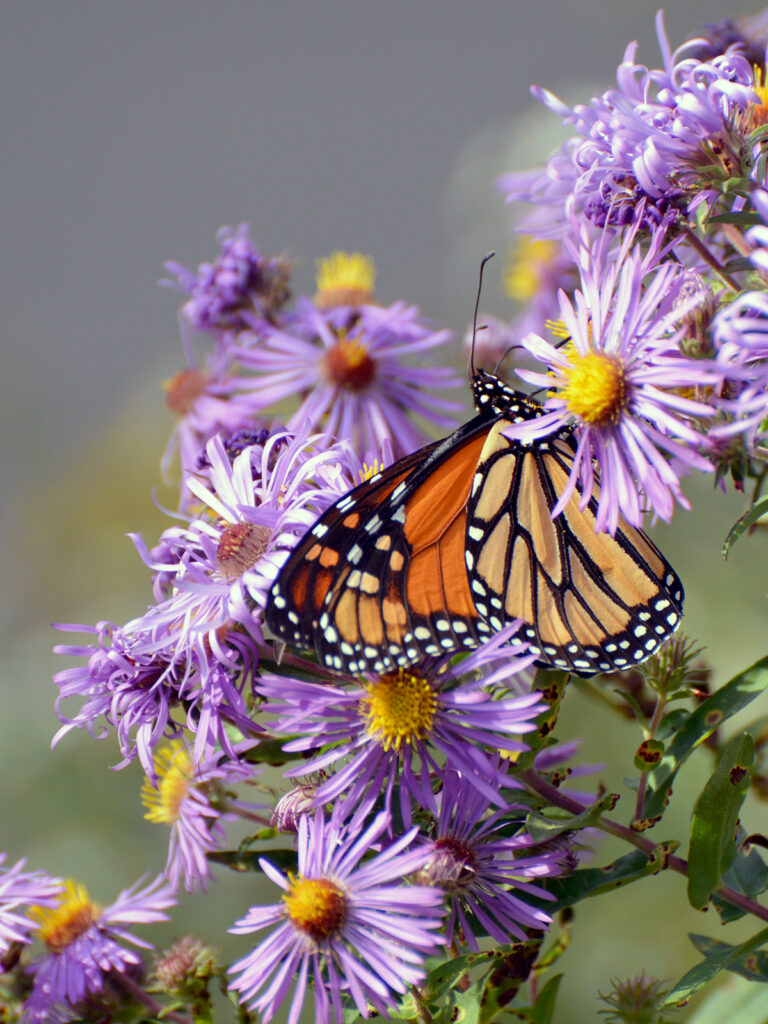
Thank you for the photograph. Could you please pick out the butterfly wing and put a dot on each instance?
(380, 580)
(590, 602)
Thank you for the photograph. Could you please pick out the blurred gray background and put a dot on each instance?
(131, 132)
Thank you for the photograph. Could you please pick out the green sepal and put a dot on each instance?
(699, 724)
(743, 523)
(543, 829)
(587, 882)
(705, 971)
(712, 847)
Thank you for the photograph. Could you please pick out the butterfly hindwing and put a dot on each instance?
(589, 601)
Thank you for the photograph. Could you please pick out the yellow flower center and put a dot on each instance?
(367, 472)
(241, 545)
(316, 906)
(528, 262)
(344, 279)
(596, 388)
(349, 365)
(758, 112)
(398, 709)
(175, 772)
(184, 389)
(60, 926)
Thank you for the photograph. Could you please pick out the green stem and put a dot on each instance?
(155, 1008)
(421, 1007)
(696, 243)
(661, 703)
(556, 798)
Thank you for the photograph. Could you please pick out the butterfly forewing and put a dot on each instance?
(379, 581)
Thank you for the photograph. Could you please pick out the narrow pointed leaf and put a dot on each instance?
(712, 847)
(753, 966)
(750, 517)
(711, 713)
(703, 972)
(543, 829)
(592, 881)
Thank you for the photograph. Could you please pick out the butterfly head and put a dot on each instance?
(490, 392)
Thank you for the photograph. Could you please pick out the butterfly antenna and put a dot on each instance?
(483, 261)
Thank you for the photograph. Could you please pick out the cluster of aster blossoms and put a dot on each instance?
(654, 354)
(425, 851)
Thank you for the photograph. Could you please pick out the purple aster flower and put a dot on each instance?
(669, 137)
(394, 728)
(350, 364)
(237, 291)
(132, 681)
(484, 869)
(619, 382)
(217, 571)
(86, 944)
(194, 801)
(20, 889)
(206, 401)
(349, 928)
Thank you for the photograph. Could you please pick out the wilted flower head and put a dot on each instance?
(343, 927)
(237, 290)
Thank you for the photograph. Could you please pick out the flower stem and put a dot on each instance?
(658, 711)
(696, 243)
(157, 1009)
(552, 795)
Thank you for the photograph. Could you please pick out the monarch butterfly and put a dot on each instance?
(444, 547)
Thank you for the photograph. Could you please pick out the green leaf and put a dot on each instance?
(747, 875)
(543, 829)
(753, 966)
(544, 1007)
(750, 517)
(702, 722)
(736, 217)
(269, 751)
(504, 979)
(248, 860)
(712, 846)
(592, 881)
(703, 972)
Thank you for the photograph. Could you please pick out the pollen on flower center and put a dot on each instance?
(184, 389)
(596, 390)
(175, 771)
(62, 925)
(758, 112)
(349, 365)
(344, 279)
(399, 709)
(241, 545)
(316, 906)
